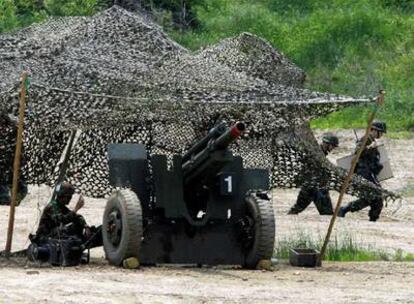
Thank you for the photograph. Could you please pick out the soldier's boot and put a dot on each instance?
(293, 210)
(344, 210)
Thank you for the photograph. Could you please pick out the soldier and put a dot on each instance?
(58, 219)
(63, 235)
(368, 167)
(320, 197)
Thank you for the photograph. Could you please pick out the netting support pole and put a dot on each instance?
(345, 185)
(16, 165)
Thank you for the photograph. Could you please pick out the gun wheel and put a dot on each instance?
(261, 231)
(122, 228)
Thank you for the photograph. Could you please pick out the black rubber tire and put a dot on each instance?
(261, 211)
(129, 207)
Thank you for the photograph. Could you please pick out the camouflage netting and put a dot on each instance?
(118, 78)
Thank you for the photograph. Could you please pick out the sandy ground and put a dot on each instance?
(374, 282)
(333, 283)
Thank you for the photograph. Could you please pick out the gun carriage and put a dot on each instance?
(205, 209)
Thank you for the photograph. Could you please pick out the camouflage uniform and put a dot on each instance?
(320, 197)
(368, 167)
(59, 222)
(63, 235)
(56, 215)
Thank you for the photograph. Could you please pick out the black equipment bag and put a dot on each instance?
(58, 252)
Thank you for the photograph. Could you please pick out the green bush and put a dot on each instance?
(71, 8)
(8, 18)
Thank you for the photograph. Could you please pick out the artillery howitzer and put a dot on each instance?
(205, 209)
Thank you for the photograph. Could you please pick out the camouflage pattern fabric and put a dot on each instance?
(117, 77)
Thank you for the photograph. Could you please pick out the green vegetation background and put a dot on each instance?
(352, 47)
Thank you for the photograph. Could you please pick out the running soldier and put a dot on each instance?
(320, 197)
(368, 167)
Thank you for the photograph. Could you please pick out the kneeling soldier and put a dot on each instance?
(63, 234)
(57, 214)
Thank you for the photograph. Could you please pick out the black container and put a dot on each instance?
(304, 257)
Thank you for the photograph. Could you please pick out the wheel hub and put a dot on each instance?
(115, 227)
(245, 227)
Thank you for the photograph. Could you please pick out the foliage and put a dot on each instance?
(401, 5)
(8, 18)
(71, 7)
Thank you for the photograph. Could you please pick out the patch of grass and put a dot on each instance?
(344, 250)
(355, 117)
(400, 121)
(400, 135)
(400, 256)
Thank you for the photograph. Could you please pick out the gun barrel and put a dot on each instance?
(230, 135)
(213, 133)
(194, 164)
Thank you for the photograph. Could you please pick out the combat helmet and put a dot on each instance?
(379, 126)
(65, 189)
(331, 139)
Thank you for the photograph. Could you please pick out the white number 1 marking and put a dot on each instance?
(229, 184)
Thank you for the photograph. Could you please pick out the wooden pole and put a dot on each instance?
(16, 165)
(345, 185)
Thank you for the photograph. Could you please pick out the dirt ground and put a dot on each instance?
(373, 282)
